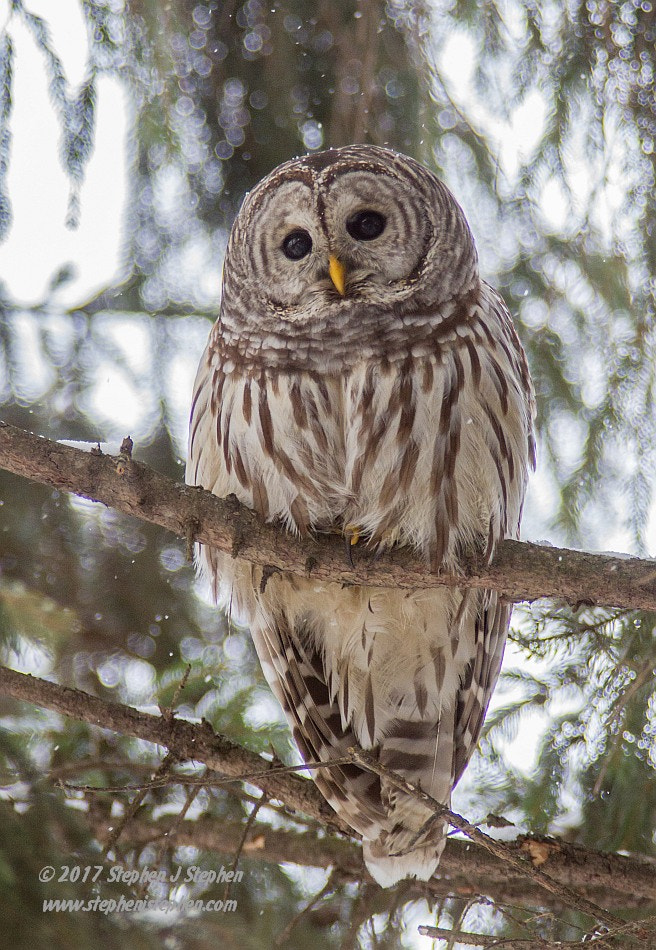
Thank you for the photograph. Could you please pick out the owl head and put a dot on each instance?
(347, 234)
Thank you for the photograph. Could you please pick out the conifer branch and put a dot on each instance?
(521, 571)
(616, 880)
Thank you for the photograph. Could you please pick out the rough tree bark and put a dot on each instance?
(520, 571)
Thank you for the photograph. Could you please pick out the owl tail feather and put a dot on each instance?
(388, 869)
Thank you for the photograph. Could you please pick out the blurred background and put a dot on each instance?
(129, 132)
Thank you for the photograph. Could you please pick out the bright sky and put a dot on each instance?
(39, 242)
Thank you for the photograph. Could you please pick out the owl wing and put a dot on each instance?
(492, 621)
(479, 679)
(295, 671)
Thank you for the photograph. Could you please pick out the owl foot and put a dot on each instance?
(385, 541)
(351, 538)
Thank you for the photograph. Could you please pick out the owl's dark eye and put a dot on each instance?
(365, 225)
(296, 245)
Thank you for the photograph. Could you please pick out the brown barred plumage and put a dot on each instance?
(400, 409)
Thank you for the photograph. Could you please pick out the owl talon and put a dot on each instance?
(351, 538)
(384, 543)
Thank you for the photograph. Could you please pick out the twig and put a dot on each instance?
(450, 941)
(169, 711)
(134, 807)
(479, 940)
(282, 936)
(476, 940)
(161, 781)
(242, 841)
(536, 943)
(190, 798)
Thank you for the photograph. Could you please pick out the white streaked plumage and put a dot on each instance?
(402, 407)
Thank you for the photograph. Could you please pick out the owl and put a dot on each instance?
(363, 379)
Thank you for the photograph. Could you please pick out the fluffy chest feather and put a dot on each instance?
(431, 452)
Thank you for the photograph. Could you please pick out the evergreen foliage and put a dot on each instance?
(223, 91)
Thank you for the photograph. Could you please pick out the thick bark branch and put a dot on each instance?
(520, 571)
(187, 740)
(611, 879)
(614, 880)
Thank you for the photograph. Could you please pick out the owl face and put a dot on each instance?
(354, 221)
(348, 228)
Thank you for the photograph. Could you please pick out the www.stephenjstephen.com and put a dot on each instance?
(137, 877)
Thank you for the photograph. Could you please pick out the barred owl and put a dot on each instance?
(362, 378)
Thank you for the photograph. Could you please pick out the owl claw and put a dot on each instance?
(351, 538)
(385, 542)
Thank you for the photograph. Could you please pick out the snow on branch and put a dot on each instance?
(521, 571)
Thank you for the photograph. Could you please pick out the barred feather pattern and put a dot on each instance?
(422, 438)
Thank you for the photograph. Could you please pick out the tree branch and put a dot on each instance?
(520, 571)
(186, 740)
(617, 880)
(504, 943)
(462, 870)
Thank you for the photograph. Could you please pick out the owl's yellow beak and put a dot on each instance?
(337, 273)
